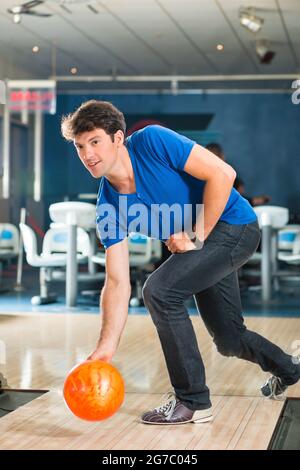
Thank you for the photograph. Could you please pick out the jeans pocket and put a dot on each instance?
(246, 246)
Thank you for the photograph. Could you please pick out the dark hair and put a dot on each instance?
(216, 149)
(92, 115)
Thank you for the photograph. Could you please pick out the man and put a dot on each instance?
(156, 166)
(238, 184)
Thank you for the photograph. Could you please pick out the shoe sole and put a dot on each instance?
(272, 396)
(205, 419)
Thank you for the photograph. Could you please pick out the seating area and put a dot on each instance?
(9, 241)
(57, 260)
(278, 259)
(144, 252)
(276, 263)
(52, 257)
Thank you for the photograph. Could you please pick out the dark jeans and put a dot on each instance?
(210, 274)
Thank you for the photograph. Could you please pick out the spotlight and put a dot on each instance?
(249, 20)
(220, 47)
(264, 52)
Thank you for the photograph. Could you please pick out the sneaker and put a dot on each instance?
(175, 412)
(274, 388)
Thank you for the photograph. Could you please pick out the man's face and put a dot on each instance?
(97, 151)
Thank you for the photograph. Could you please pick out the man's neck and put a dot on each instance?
(122, 175)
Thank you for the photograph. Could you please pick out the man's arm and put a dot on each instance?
(219, 177)
(115, 297)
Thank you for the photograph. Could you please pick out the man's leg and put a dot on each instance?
(181, 276)
(221, 310)
(227, 248)
(165, 293)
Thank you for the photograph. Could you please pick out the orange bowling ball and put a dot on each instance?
(94, 390)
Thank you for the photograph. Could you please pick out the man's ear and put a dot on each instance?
(119, 137)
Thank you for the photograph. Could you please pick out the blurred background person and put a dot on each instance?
(239, 184)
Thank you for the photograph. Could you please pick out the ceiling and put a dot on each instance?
(137, 38)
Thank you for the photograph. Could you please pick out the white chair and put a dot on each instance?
(56, 241)
(139, 248)
(278, 216)
(286, 238)
(46, 263)
(9, 241)
(53, 256)
(271, 219)
(289, 256)
(72, 214)
(142, 251)
(292, 257)
(83, 213)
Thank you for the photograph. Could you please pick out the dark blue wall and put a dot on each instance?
(260, 134)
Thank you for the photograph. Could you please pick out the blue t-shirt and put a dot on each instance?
(158, 156)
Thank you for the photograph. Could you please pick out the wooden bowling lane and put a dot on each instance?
(41, 348)
(46, 423)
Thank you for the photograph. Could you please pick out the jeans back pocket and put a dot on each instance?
(246, 245)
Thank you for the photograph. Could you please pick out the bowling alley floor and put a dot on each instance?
(46, 424)
(40, 348)
(39, 345)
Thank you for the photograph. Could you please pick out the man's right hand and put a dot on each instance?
(101, 353)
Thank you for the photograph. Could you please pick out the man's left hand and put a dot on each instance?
(180, 243)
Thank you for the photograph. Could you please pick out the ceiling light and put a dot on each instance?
(249, 20)
(35, 49)
(73, 70)
(220, 47)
